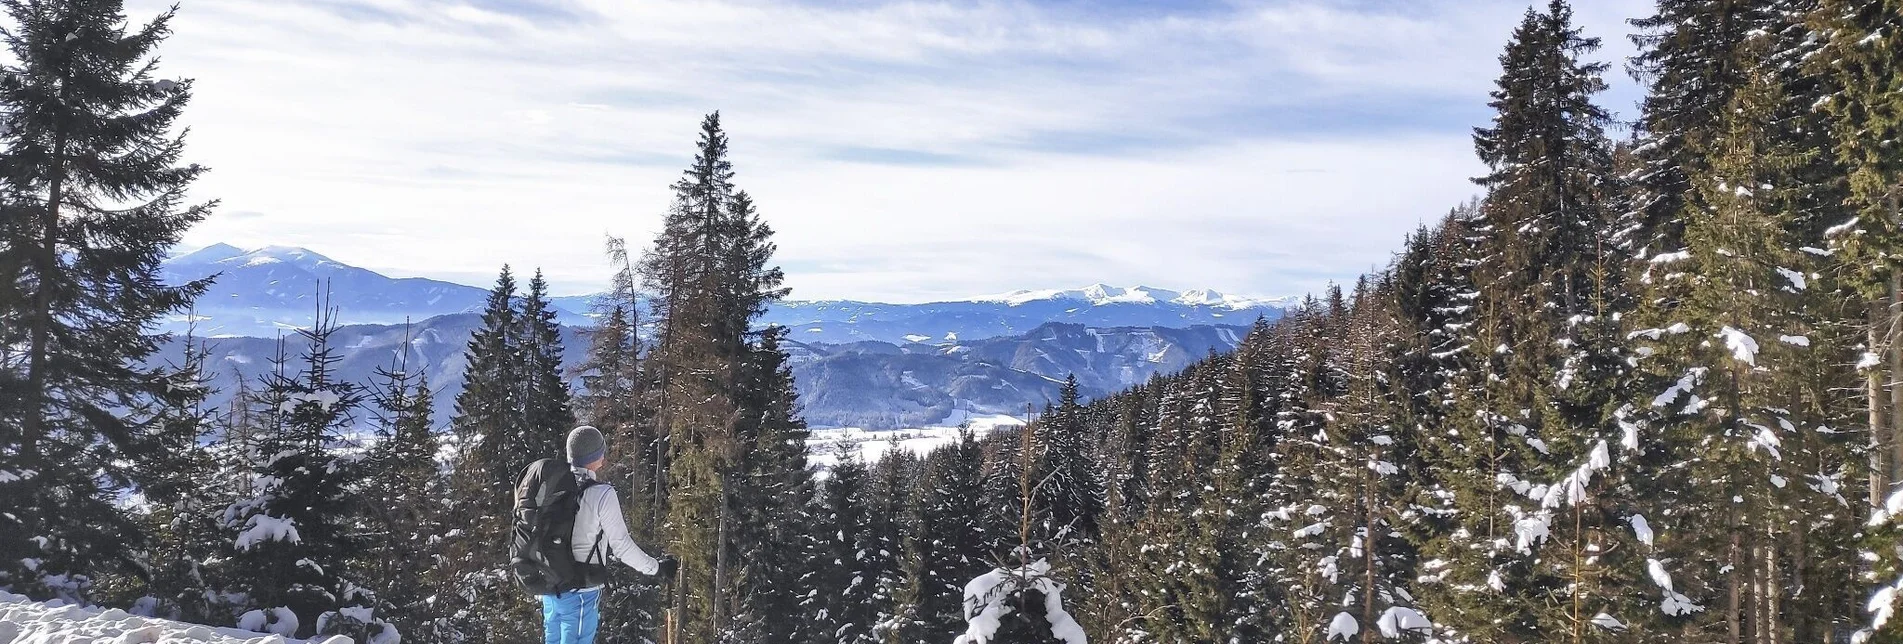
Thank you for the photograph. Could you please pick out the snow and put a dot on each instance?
(1794, 340)
(1676, 604)
(1796, 278)
(261, 528)
(1882, 606)
(1608, 622)
(1530, 531)
(1656, 571)
(1343, 626)
(1641, 529)
(823, 445)
(985, 603)
(1766, 439)
(1833, 231)
(277, 620)
(1629, 429)
(24, 620)
(1102, 294)
(1667, 258)
(1684, 385)
(1742, 346)
(1399, 619)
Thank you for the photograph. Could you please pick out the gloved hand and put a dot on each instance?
(668, 566)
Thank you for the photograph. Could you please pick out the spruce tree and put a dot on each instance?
(1691, 60)
(179, 485)
(93, 195)
(402, 493)
(489, 411)
(477, 600)
(941, 551)
(547, 406)
(297, 530)
(773, 542)
(847, 558)
(711, 275)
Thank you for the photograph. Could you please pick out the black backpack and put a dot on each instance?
(541, 526)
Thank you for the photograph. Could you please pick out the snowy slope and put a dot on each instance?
(1104, 294)
(23, 620)
(826, 447)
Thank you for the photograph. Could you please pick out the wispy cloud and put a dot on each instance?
(903, 150)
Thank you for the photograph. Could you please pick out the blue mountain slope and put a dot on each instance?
(261, 292)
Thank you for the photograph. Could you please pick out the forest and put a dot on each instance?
(1644, 388)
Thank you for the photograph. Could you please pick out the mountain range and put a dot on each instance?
(261, 292)
(858, 364)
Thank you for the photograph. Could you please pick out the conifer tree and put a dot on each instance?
(93, 195)
(1752, 393)
(547, 408)
(1691, 58)
(489, 411)
(848, 557)
(711, 275)
(402, 493)
(773, 542)
(1069, 487)
(295, 534)
(180, 486)
(941, 551)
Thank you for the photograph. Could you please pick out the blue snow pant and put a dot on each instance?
(571, 617)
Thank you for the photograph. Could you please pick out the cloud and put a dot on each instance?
(903, 150)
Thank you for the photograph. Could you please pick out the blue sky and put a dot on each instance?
(904, 151)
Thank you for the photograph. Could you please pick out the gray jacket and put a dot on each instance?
(601, 533)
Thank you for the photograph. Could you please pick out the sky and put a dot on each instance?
(902, 151)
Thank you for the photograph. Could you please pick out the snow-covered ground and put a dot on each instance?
(823, 448)
(23, 621)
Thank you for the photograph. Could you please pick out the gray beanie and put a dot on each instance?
(585, 445)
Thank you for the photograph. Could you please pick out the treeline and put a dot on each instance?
(314, 505)
(1643, 390)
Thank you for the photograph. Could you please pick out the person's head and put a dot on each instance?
(587, 448)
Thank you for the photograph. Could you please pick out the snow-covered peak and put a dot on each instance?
(1101, 294)
(208, 255)
(303, 258)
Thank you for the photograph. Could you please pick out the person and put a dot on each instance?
(600, 537)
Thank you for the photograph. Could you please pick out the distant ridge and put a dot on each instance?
(265, 291)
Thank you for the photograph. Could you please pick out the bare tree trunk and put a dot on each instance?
(1733, 607)
(1879, 439)
(1895, 353)
(1800, 561)
(1772, 591)
(1367, 556)
(33, 425)
(1579, 574)
(720, 555)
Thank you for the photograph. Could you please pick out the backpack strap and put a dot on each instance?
(594, 552)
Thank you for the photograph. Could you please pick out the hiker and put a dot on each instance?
(571, 590)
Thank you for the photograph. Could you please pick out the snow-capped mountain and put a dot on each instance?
(260, 292)
(863, 364)
(1104, 294)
